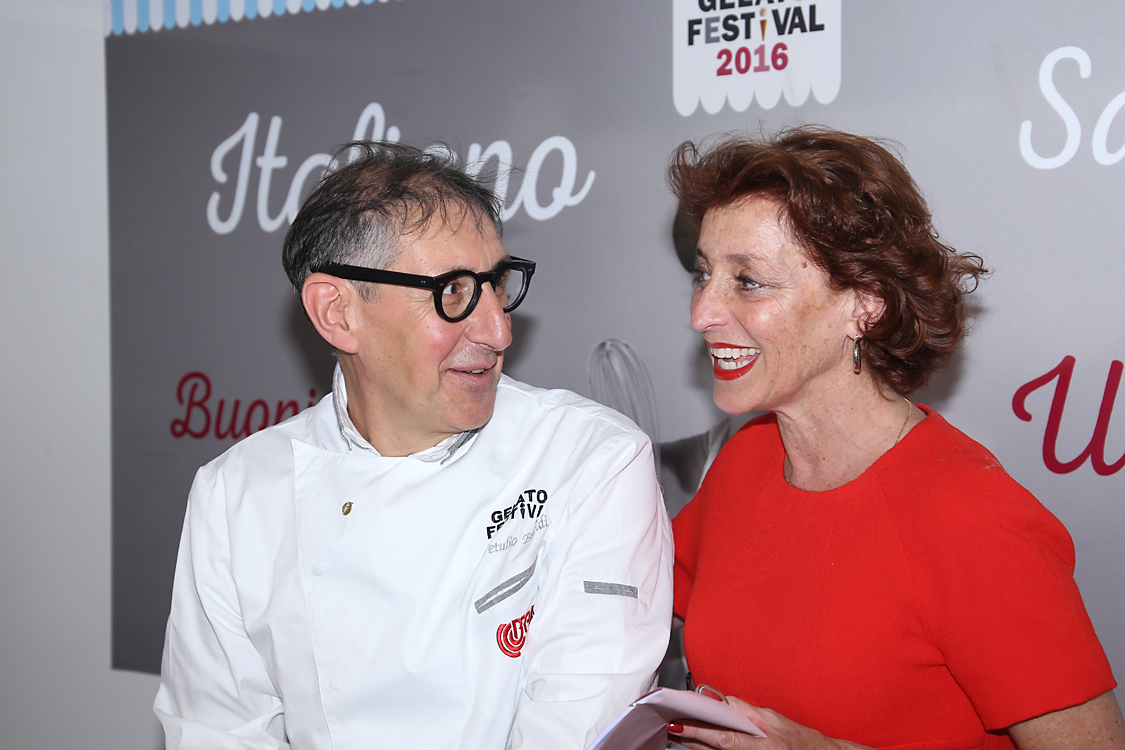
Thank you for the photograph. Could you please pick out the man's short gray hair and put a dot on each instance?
(375, 192)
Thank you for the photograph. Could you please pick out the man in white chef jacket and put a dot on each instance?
(435, 555)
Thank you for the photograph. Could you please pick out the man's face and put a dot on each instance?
(423, 378)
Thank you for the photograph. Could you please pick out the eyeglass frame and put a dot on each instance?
(437, 283)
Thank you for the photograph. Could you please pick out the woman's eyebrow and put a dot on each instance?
(735, 258)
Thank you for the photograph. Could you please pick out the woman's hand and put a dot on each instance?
(781, 734)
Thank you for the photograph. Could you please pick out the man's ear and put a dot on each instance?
(867, 309)
(331, 305)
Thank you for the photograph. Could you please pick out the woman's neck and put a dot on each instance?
(832, 441)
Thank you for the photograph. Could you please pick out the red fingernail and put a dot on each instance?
(675, 728)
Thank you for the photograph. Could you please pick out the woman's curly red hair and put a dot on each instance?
(858, 215)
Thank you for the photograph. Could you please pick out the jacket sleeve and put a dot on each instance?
(603, 611)
(215, 692)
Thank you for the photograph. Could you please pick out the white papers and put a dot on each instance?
(644, 725)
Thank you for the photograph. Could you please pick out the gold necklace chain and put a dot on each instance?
(909, 411)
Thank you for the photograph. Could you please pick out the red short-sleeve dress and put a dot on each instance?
(929, 603)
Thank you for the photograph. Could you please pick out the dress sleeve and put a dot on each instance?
(996, 574)
(215, 693)
(603, 611)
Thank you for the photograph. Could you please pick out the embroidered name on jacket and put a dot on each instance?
(529, 504)
(510, 636)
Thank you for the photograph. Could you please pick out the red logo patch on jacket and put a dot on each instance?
(510, 636)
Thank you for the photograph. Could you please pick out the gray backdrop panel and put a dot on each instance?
(952, 84)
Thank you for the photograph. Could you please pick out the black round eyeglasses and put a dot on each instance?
(455, 293)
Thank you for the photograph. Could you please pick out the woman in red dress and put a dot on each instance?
(857, 571)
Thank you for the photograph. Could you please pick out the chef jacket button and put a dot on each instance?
(336, 682)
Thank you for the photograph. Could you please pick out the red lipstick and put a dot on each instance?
(725, 374)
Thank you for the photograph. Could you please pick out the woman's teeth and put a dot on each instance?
(731, 358)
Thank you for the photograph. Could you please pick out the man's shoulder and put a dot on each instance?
(569, 442)
(271, 447)
(560, 407)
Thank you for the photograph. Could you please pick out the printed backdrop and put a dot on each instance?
(221, 113)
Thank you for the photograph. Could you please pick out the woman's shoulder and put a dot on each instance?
(938, 455)
(940, 482)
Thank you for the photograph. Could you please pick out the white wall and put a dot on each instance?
(56, 687)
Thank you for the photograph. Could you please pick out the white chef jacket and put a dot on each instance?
(510, 587)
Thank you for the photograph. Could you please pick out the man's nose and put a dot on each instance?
(489, 325)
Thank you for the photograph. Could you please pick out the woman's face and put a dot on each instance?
(777, 334)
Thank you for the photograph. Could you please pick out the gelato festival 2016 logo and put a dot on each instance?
(739, 50)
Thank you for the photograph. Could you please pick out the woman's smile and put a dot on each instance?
(731, 362)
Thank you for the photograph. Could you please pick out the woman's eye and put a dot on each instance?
(700, 276)
(745, 282)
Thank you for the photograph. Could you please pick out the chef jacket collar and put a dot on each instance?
(443, 451)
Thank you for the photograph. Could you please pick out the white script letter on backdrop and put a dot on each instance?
(1069, 118)
(245, 135)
